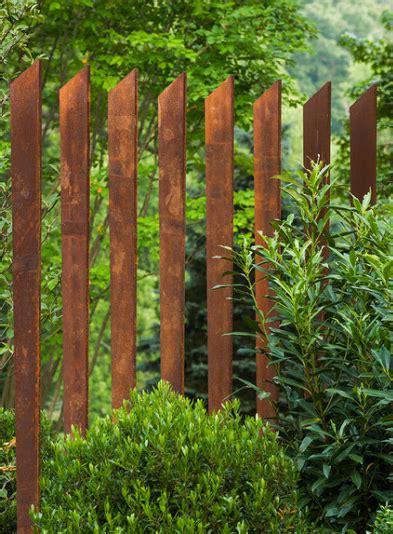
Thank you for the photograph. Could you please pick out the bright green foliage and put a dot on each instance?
(333, 299)
(384, 521)
(15, 34)
(167, 466)
(209, 39)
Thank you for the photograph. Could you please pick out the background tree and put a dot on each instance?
(377, 56)
(329, 60)
(254, 41)
(15, 55)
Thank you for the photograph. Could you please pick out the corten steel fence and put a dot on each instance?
(123, 163)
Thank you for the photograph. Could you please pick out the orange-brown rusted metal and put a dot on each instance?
(219, 125)
(26, 222)
(316, 127)
(74, 154)
(363, 144)
(123, 171)
(172, 180)
(316, 137)
(267, 163)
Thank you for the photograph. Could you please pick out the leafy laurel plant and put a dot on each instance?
(332, 348)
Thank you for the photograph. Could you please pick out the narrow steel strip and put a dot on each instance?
(172, 182)
(74, 155)
(123, 172)
(219, 128)
(26, 221)
(267, 164)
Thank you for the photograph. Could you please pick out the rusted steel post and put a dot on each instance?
(363, 145)
(172, 183)
(26, 267)
(316, 136)
(74, 154)
(267, 163)
(316, 127)
(123, 171)
(219, 123)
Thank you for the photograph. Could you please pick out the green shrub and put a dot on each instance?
(167, 466)
(383, 521)
(333, 301)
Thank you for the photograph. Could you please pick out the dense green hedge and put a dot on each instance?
(165, 466)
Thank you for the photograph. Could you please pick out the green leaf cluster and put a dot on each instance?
(165, 465)
(383, 521)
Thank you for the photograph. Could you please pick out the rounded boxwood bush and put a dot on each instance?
(165, 465)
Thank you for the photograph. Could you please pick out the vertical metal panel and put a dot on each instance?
(316, 135)
(219, 125)
(316, 127)
(26, 221)
(74, 154)
(363, 144)
(267, 163)
(123, 170)
(172, 179)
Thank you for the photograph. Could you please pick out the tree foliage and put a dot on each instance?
(210, 39)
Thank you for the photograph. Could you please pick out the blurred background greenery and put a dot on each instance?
(305, 43)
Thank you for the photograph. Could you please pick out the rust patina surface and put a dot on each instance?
(316, 135)
(363, 144)
(172, 183)
(123, 172)
(26, 267)
(74, 155)
(219, 135)
(267, 163)
(316, 127)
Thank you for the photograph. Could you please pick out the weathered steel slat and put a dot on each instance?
(74, 154)
(363, 144)
(316, 127)
(316, 136)
(26, 221)
(172, 180)
(123, 171)
(267, 163)
(219, 123)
